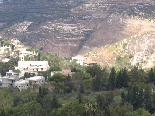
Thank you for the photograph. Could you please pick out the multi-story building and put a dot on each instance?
(24, 84)
(9, 79)
(33, 66)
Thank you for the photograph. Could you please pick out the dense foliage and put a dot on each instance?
(91, 92)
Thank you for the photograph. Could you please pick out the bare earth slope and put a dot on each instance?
(138, 49)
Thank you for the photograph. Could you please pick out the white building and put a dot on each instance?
(84, 60)
(33, 66)
(79, 59)
(25, 53)
(24, 84)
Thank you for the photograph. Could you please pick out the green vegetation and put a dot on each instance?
(90, 92)
(5, 67)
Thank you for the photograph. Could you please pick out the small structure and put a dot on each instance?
(29, 53)
(5, 60)
(67, 72)
(54, 72)
(39, 80)
(84, 60)
(24, 84)
(89, 62)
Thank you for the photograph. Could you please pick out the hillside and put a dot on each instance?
(138, 49)
(68, 28)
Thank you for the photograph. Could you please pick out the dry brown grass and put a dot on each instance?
(138, 26)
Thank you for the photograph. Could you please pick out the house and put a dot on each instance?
(67, 72)
(33, 66)
(53, 72)
(39, 80)
(29, 53)
(9, 79)
(64, 72)
(5, 49)
(84, 60)
(79, 59)
(24, 84)
(22, 54)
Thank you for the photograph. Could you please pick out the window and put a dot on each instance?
(41, 68)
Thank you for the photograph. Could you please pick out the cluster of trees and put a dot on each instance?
(121, 93)
(91, 91)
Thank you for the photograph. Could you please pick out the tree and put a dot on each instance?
(151, 76)
(39, 56)
(91, 108)
(94, 70)
(125, 77)
(54, 101)
(61, 83)
(139, 95)
(139, 112)
(119, 80)
(137, 76)
(111, 82)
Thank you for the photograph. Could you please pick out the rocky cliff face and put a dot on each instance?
(68, 28)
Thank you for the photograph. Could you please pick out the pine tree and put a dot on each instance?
(119, 80)
(55, 103)
(38, 56)
(125, 78)
(111, 82)
(151, 76)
